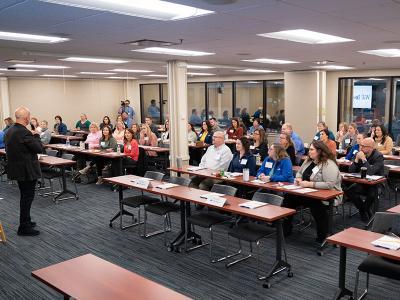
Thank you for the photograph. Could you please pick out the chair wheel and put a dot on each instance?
(290, 274)
(267, 285)
(320, 252)
(110, 224)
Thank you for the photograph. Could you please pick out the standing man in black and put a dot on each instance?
(22, 147)
(371, 159)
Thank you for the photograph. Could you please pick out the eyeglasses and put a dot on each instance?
(365, 146)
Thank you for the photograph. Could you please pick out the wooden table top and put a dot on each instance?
(391, 157)
(155, 149)
(91, 152)
(362, 181)
(395, 209)
(65, 137)
(90, 277)
(49, 160)
(360, 239)
(322, 195)
(268, 213)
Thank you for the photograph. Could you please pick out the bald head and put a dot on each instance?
(22, 115)
(367, 146)
(218, 138)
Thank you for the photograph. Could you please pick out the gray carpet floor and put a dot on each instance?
(73, 228)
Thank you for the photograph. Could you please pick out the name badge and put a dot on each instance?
(268, 165)
(142, 183)
(315, 170)
(146, 138)
(103, 144)
(355, 152)
(243, 161)
(252, 147)
(315, 138)
(231, 131)
(347, 141)
(379, 144)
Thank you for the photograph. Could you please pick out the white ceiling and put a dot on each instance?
(232, 30)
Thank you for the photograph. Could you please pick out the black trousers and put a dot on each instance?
(319, 211)
(355, 191)
(129, 164)
(27, 191)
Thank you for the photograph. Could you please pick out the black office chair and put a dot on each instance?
(392, 182)
(253, 232)
(140, 200)
(211, 218)
(164, 208)
(380, 266)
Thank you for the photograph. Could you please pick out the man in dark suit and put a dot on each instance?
(371, 159)
(22, 147)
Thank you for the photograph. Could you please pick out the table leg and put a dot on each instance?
(342, 291)
(64, 187)
(122, 211)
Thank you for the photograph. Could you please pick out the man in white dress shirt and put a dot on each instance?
(217, 157)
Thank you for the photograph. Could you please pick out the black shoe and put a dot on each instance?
(28, 232)
(33, 224)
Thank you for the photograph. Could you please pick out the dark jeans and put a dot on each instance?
(319, 211)
(354, 193)
(101, 162)
(27, 191)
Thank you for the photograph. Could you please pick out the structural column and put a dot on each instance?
(4, 100)
(177, 104)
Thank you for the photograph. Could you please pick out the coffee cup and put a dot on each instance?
(363, 172)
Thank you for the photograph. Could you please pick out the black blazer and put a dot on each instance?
(374, 164)
(22, 148)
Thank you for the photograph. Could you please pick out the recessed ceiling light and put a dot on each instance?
(96, 73)
(39, 66)
(170, 51)
(199, 74)
(156, 75)
(150, 9)
(18, 70)
(130, 71)
(255, 71)
(120, 77)
(271, 61)
(305, 36)
(332, 67)
(200, 67)
(58, 75)
(95, 60)
(19, 61)
(383, 52)
(32, 38)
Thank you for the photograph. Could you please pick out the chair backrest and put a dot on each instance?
(51, 152)
(180, 180)
(224, 189)
(67, 156)
(391, 162)
(268, 198)
(142, 162)
(154, 175)
(386, 222)
(74, 143)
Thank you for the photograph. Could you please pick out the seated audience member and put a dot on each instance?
(153, 110)
(353, 150)
(109, 144)
(8, 122)
(244, 115)
(206, 133)
(383, 142)
(214, 125)
(318, 171)
(59, 126)
(371, 159)
(343, 129)
(192, 135)
(44, 132)
(298, 143)
(148, 138)
(131, 149)
(374, 124)
(119, 119)
(217, 157)
(129, 110)
(93, 138)
(106, 122)
(165, 134)
(126, 120)
(260, 144)
(257, 114)
(324, 137)
(2, 146)
(34, 123)
(349, 139)
(136, 131)
(225, 118)
(277, 166)
(83, 123)
(194, 118)
(119, 133)
(256, 125)
(286, 142)
(321, 126)
(235, 131)
(153, 127)
(243, 159)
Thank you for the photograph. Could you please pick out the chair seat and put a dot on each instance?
(162, 208)
(251, 232)
(137, 201)
(206, 220)
(381, 266)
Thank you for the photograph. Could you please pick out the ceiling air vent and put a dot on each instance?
(151, 43)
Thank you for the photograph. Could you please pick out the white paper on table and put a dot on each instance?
(388, 242)
(166, 186)
(373, 177)
(210, 195)
(216, 201)
(233, 174)
(291, 187)
(356, 175)
(143, 183)
(252, 204)
(196, 168)
(258, 181)
(392, 166)
(306, 190)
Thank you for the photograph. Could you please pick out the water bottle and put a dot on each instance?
(246, 174)
(67, 143)
(81, 145)
(118, 149)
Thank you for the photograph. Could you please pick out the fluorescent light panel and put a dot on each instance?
(156, 75)
(58, 75)
(200, 67)
(199, 74)
(39, 66)
(94, 60)
(31, 38)
(332, 67)
(120, 77)
(130, 71)
(150, 9)
(305, 36)
(255, 71)
(170, 51)
(271, 61)
(18, 70)
(96, 73)
(383, 52)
